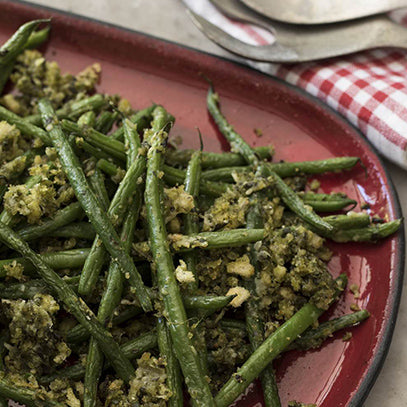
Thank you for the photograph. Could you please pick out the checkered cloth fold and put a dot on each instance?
(369, 88)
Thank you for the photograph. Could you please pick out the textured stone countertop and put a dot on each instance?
(167, 19)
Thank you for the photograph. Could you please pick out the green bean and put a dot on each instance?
(254, 321)
(105, 121)
(125, 315)
(224, 174)
(207, 240)
(191, 221)
(198, 331)
(327, 202)
(22, 290)
(29, 289)
(92, 267)
(228, 323)
(314, 338)
(177, 320)
(174, 176)
(97, 139)
(110, 300)
(217, 240)
(204, 306)
(93, 151)
(78, 107)
(24, 395)
(117, 208)
(107, 167)
(286, 169)
(133, 142)
(79, 230)
(37, 38)
(350, 221)
(13, 47)
(192, 176)
(61, 218)
(25, 127)
(172, 368)
(87, 119)
(55, 260)
(235, 140)
(336, 164)
(316, 197)
(114, 282)
(366, 234)
(215, 160)
(331, 206)
(97, 183)
(78, 335)
(141, 119)
(72, 303)
(72, 109)
(5, 216)
(291, 199)
(136, 347)
(99, 219)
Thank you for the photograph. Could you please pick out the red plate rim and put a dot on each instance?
(398, 271)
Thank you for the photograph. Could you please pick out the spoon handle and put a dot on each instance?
(321, 11)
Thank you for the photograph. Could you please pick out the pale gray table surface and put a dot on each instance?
(167, 19)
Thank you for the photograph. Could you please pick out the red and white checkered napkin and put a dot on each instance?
(368, 88)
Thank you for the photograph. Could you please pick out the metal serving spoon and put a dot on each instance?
(321, 11)
(303, 43)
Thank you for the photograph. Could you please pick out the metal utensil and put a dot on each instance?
(321, 11)
(303, 43)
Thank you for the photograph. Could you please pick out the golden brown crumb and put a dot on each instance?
(241, 267)
(242, 294)
(354, 307)
(354, 288)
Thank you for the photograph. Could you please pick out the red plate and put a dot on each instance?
(144, 69)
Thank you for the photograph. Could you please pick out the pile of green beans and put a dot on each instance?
(114, 260)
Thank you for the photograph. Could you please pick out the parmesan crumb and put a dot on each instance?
(242, 294)
(241, 267)
(14, 270)
(258, 132)
(314, 185)
(354, 307)
(183, 275)
(354, 288)
(177, 201)
(279, 272)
